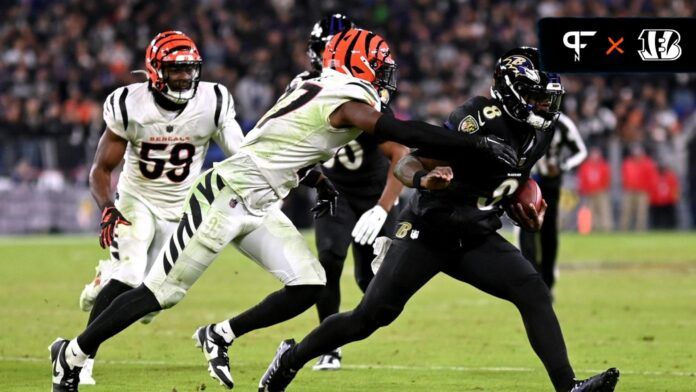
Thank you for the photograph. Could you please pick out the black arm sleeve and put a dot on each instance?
(421, 134)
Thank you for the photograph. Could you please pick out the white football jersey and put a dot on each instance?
(165, 151)
(293, 134)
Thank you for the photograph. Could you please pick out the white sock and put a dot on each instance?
(225, 330)
(74, 355)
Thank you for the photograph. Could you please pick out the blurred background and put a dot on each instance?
(60, 59)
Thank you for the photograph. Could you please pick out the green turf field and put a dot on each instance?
(623, 300)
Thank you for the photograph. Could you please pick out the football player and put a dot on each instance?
(236, 202)
(450, 226)
(368, 191)
(162, 127)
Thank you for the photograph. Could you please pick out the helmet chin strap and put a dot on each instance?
(178, 97)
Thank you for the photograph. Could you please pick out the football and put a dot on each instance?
(528, 193)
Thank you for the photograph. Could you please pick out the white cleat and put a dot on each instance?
(330, 361)
(215, 349)
(86, 377)
(92, 289)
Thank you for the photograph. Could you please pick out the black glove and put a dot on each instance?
(496, 148)
(327, 197)
(110, 218)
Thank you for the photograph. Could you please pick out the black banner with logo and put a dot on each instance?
(617, 45)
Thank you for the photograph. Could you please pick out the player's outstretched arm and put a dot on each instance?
(423, 173)
(417, 133)
(110, 152)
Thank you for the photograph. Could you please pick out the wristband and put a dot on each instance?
(417, 179)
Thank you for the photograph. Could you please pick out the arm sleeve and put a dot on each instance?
(423, 135)
(115, 112)
(229, 134)
(574, 142)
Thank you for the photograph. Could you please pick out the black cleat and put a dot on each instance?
(277, 377)
(215, 348)
(602, 382)
(64, 378)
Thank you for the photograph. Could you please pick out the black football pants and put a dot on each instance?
(333, 237)
(489, 263)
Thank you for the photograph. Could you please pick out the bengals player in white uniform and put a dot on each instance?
(236, 202)
(162, 128)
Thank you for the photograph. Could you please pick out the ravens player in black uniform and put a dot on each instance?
(450, 226)
(367, 194)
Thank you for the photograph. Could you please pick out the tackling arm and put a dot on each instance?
(416, 133)
(423, 173)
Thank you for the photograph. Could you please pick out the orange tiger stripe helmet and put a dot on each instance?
(364, 55)
(173, 50)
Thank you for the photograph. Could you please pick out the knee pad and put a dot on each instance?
(530, 291)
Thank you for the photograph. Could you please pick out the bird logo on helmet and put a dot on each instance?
(364, 55)
(322, 32)
(168, 52)
(527, 93)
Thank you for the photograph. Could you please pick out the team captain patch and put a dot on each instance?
(468, 125)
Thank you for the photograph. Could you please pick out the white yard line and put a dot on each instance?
(464, 369)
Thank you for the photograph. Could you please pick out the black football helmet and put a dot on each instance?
(321, 34)
(527, 93)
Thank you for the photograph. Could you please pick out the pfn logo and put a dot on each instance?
(660, 45)
(575, 44)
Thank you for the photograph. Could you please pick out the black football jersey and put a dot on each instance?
(472, 202)
(359, 169)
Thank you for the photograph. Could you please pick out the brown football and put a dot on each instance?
(528, 193)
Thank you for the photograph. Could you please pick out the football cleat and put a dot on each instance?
(92, 289)
(277, 377)
(330, 361)
(65, 379)
(86, 377)
(215, 348)
(602, 382)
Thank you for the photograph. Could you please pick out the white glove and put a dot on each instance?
(369, 225)
(380, 249)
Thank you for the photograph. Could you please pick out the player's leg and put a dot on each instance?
(210, 222)
(332, 237)
(549, 232)
(276, 245)
(495, 266)
(128, 253)
(333, 240)
(164, 230)
(407, 267)
(529, 245)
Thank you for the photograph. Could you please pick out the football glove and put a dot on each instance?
(111, 217)
(496, 148)
(369, 225)
(327, 197)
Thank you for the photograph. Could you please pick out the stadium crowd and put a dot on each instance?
(60, 59)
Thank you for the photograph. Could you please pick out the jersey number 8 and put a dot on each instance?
(506, 188)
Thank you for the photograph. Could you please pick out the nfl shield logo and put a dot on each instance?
(170, 128)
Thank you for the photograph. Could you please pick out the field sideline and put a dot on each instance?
(624, 300)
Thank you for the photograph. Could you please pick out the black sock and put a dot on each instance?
(279, 306)
(112, 290)
(126, 309)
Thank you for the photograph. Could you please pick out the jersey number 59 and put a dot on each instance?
(181, 156)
